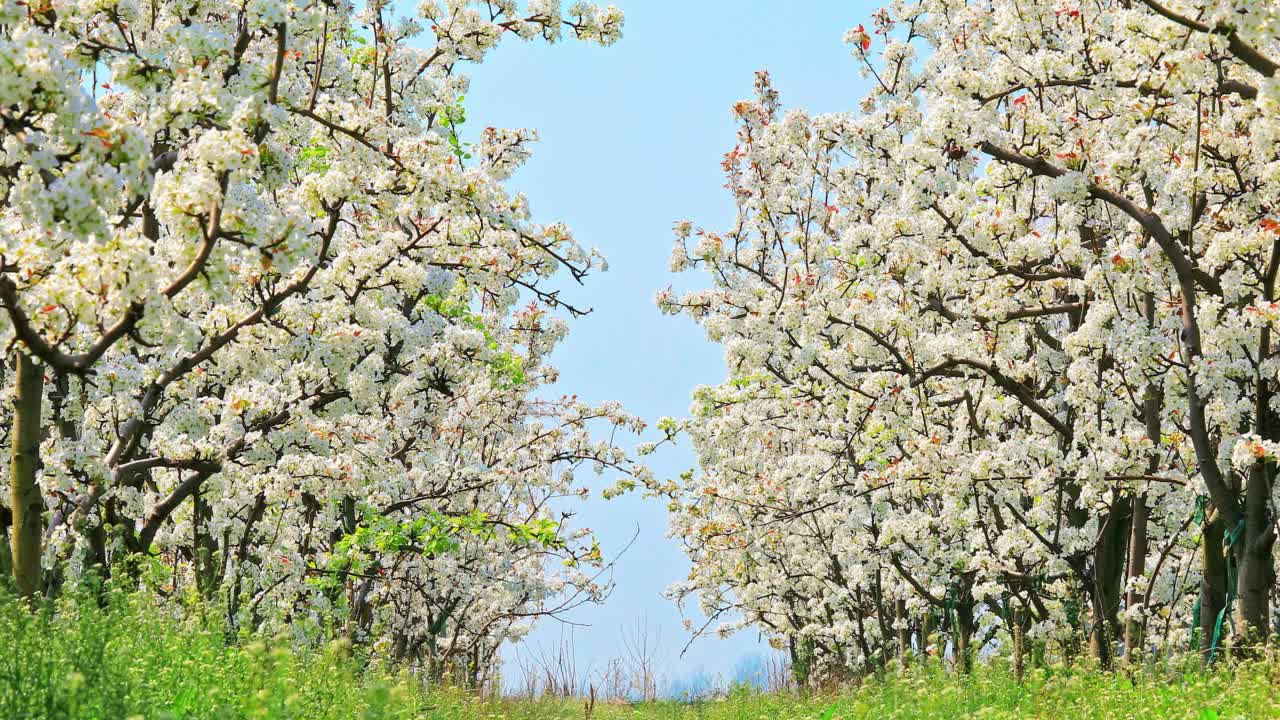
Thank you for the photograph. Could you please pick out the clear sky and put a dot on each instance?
(631, 140)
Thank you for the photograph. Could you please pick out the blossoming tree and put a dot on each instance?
(999, 343)
(261, 314)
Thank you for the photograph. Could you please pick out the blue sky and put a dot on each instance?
(631, 140)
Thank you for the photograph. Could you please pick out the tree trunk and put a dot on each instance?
(26, 501)
(1213, 582)
(1137, 568)
(1254, 553)
(1254, 547)
(802, 660)
(236, 560)
(1039, 651)
(1138, 539)
(1019, 641)
(61, 420)
(1109, 566)
(964, 637)
(904, 633)
(926, 629)
(1072, 642)
(204, 549)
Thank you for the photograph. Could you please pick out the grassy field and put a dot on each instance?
(130, 662)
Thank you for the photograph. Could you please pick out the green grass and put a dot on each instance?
(131, 661)
(1243, 691)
